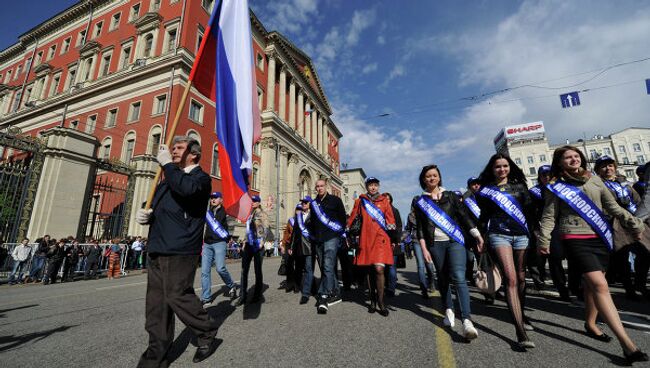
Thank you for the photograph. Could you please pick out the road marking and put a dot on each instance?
(443, 342)
(119, 286)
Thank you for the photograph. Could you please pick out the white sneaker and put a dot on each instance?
(468, 330)
(449, 320)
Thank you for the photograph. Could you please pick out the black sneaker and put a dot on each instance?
(304, 299)
(333, 299)
(321, 306)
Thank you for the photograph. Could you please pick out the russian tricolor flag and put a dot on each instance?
(224, 72)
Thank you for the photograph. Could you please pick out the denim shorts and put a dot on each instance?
(517, 242)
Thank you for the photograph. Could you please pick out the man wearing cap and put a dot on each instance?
(214, 249)
(256, 228)
(326, 228)
(176, 221)
(640, 185)
(301, 245)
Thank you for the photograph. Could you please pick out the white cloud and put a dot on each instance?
(361, 20)
(369, 68)
(397, 71)
(381, 40)
(290, 15)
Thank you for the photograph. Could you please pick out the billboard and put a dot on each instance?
(519, 132)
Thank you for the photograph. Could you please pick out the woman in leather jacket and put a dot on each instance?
(441, 246)
(508, 239)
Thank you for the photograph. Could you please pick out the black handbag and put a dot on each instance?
(355, 228)
(401, 261)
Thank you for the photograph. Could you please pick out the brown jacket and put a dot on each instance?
(558, 212)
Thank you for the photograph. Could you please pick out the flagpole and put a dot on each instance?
(170, 137)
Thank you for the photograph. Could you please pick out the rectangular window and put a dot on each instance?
(39, 58)
(107, 151)
(260, 98)
(621, 149)
(196, 111)
(542, 158)
(260, 62)
(91, 124)
(170, 43)
(111, 118)
(87, 69)
(531, 171)
(125, 57)
(159, 104)
(105, 66)
(51, 52)
(518, 161)
(640, 159)
(65, 46)
(115, 21)
(629, 174)
(72, 73)
(207, 5)
(530, 159)
(98, 29)
(155, 143)
(130, 145)
(8, 76)
(54, 86)
(636, 147)
(215, 170)
(199, 38)
(593, 154)
(74, 124)
(18, 71)
(155, 5)
(626, 161)
(134, 111)
(135, 12)
(81, 38)
(607, 151)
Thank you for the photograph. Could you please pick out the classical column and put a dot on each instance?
(282, 103)
(145, 171)
(301, 114)
(308, 122)
(292, 104)
(326, 141)
(314, 128)
(270, 86)
(292, 182)
(320, 134)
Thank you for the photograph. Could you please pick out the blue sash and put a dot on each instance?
(583, 206)
(507, 203)
(470, 202)
(322, 217)
(622, 193)
(375, 213)
(301, 225)
(440, 218)
(536, 191)
(216, 226)
(252, 238)
(292, 221)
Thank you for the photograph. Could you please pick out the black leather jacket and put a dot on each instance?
(450, 203)
(499, 221)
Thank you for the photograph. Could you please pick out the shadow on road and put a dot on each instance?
(11, 342)
(3, 311)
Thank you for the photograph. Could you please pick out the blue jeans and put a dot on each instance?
(392, 275)
(18, 269)
(214, 254)
(450, 259)
(308, 277)
(517, 242)
(37, 265)
(326, 252)
(425, 270)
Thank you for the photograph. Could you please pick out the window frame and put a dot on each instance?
(155, 108)
(201, 111)
(113, 26)
(65, 45)
(109, 113)
(131, 108)
(94, 126)
(98, 26)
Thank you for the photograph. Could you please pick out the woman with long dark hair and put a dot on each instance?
(441, 218)
(506, 210)
(575, 208)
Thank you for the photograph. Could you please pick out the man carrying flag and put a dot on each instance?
(223, 71)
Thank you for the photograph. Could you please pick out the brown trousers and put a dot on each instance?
(170, 291)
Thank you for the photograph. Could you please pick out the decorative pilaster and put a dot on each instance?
(292, 104)
(270, 86)
(301, 114)
(282, 103)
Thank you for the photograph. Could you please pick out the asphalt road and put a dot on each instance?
(101, 324)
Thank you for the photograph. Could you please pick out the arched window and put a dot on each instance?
(255, 179)
(128, 147)
(193, 134)
(148, 46)
(305, 184)
(105, 148)
(215, 170)
(153, 143)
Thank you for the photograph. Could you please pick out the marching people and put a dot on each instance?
(391, 283)
(376, 240)
(215, 247)
(71, 260)
(441, 219)
(137, 247)
(575, 208)
(293, 275)
(506, 209)
(426, 273)
(114, 251)
(21, 255)
(93, 255)
(176, 221)
(469, 200)
(628, 198)
(301, 248)
(256, 229)
(326, 228)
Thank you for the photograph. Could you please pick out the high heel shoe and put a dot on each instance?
(383, 311)
(602, 337)
(636, 356)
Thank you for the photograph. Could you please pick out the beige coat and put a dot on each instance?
(558, 212)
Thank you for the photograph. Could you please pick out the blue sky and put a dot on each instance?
(417, 60)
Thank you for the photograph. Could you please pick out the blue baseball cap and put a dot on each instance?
(299, 206)
(306, 199)
(472, 180)
(602, 161)
(371, 179)
(256, 198)
(216, 195)
(544, 169)
(640, 169)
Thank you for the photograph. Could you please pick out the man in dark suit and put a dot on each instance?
(176, 219)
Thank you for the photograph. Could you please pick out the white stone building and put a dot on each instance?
(354, 184)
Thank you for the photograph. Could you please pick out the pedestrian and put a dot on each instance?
(114, 258)
(256, 228)
(376, 240)
(391, 270)
(575, 207)
(39, 258)
(20, 255)
(93, 255)
(71, 260)
(640, 185)
(176, 221)
(301, 245)
(292, 278)
(426, 273)
(326, 229)
(137, 247)
(441, 220)
(506, 211)
(55, 258)
(469, 201)
(215, 246)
